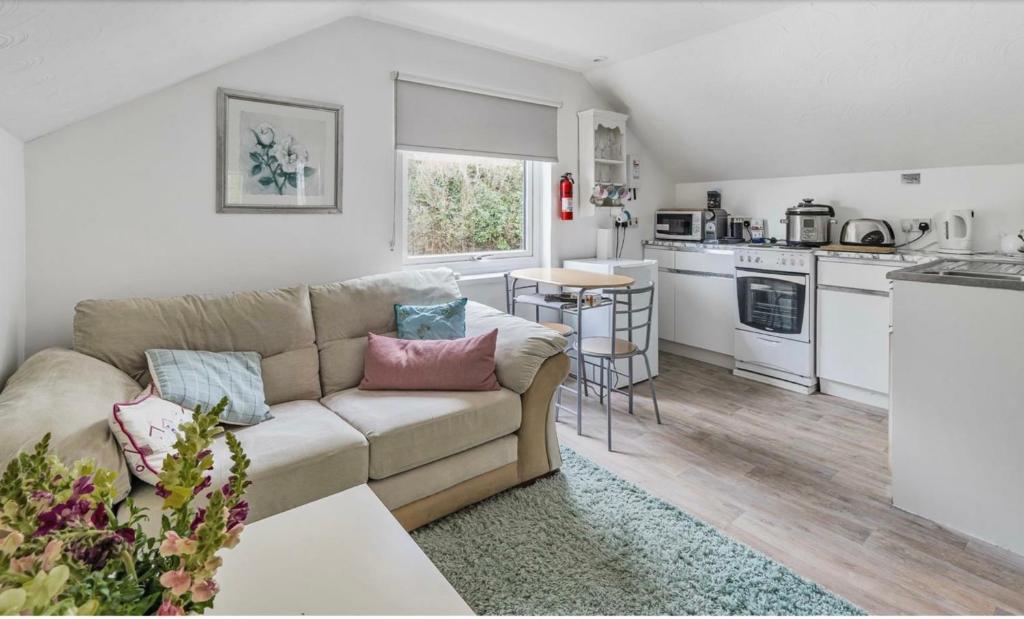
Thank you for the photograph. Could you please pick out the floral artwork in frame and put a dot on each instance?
(277, 155)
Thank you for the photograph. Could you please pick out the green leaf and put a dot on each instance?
(255, 156)
(292, 180)
(256, 169)
(266, 180)
(307, 172)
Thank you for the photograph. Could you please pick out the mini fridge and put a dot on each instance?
(597, 321)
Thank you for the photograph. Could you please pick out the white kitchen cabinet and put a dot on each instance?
(705, 309)
(853, 340)
(666, 291)
(853, 330)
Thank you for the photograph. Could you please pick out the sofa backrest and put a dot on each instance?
(345, 312)
(278, 324)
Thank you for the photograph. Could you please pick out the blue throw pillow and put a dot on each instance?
(196, 377)
(446, 321)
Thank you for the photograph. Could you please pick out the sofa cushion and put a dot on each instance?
(71, 396)
(407, 429)
(465, 364)
(345, 312)
(304, 453)
(278, 324)
(523, 346)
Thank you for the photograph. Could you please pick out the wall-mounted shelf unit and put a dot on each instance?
(603, 171)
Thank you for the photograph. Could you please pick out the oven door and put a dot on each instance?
(774, 303)
(678, 226)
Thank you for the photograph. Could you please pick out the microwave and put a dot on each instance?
(679, 225)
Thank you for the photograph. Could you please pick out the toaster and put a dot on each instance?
(872, 232)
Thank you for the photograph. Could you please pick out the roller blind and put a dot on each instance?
(436, 117)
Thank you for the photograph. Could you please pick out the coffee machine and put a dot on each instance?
(716, 225)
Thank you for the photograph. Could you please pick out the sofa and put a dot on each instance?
(424, 453)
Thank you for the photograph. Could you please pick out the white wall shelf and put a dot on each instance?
(602, 157)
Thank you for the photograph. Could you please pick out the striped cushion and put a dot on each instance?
(196, 377)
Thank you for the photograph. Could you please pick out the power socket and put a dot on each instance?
(907, 225)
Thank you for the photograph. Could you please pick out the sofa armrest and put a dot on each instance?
(523, 346)
(69, 395)
(538, 440)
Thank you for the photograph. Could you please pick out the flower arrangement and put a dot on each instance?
(278, 161)
(63, 549)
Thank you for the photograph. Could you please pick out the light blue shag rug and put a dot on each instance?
(585, 542)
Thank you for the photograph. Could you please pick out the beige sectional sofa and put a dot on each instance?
(425, 454)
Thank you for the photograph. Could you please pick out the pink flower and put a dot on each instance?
(50, 554)
(204, 591)
(177, 581)
(232, 539)
(169, 608)
(174, 545)
(22, 565)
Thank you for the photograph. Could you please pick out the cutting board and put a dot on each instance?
(862, 249)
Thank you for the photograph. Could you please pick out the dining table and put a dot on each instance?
(585, 287)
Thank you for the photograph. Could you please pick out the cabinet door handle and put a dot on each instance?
(764, 339)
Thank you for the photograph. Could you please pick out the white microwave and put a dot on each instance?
(679, 225)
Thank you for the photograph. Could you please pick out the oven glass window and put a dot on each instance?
(771, 304)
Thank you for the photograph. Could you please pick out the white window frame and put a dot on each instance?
(477, 262)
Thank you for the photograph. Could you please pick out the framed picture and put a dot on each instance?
(277, 155)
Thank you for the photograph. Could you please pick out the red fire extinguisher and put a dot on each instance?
(565, 190)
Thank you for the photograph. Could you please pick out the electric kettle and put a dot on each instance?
(955, 231)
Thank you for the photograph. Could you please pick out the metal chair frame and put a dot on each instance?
(636, 318)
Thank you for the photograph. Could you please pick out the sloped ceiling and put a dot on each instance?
(830, 87)
(64, 60)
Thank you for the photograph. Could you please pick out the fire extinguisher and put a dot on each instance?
(565, 190)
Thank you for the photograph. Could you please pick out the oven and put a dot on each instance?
(774, 303)
(679, 225)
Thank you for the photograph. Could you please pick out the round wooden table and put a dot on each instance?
(581, 282)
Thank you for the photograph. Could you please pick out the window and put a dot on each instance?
(460, 208)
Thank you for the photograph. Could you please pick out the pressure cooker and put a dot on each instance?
(809, 224)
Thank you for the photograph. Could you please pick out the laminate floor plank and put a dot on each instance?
(803, 479)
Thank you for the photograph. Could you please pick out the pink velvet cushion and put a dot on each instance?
(466, 364)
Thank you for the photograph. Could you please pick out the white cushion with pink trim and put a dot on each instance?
(145, 429)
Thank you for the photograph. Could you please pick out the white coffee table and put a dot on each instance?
(342, 555)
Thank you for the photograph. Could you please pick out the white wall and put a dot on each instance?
(122, 204)
(995, 192)
(12, 253)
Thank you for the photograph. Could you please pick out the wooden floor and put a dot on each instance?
(803, 479)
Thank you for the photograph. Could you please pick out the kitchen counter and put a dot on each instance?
(1004, 272)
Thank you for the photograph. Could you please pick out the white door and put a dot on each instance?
(853, 338)
(705, 311)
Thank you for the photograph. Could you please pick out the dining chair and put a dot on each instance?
(632, 314)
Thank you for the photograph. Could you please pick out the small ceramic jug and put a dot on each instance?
(1010, 243)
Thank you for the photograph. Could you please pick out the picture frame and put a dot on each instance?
(278, 154)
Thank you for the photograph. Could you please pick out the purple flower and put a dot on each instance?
(99, 518)
(60, 515)
(237, 514)
(199, 519)
(42, 496)
(96, 553)
(202, 454)
(203, 485)
(127, 534)
(161, 491)
(82, 485)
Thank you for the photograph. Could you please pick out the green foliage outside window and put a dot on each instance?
(460, 205)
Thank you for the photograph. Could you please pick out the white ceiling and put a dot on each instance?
(717, 90)
(833, 87)
(568, 33)
(64, 60)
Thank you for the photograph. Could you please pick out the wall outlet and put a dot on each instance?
(907, 225)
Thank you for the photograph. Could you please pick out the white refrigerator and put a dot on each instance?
(597, 321)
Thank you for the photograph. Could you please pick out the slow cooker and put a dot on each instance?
(809, 224)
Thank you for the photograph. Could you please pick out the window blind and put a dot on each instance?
(437, 117)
